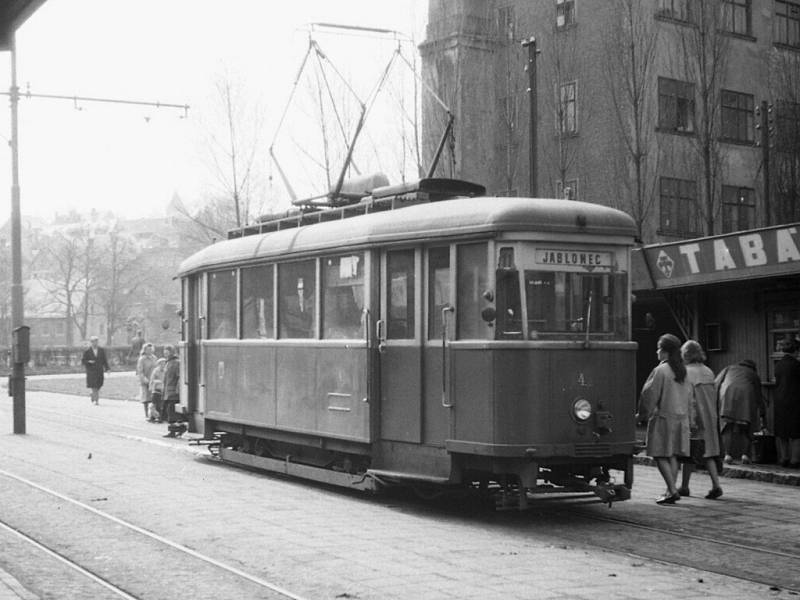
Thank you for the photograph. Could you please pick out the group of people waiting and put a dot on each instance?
(158, 380)
(694, 417)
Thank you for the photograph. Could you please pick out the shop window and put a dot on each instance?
(297, 293)
(675, 106)
(222, 304)
(736, 16)
(438, 289)
(715, 337)
(257, 302)
(400, 295)
(678, 207)
(342, 296)
(737, 117)
(783, 324)
(738, 209)
(787, 23)
(471, 283)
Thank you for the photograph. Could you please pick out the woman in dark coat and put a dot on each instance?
(94, 359)
(787, 405)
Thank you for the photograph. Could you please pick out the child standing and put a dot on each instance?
(157, 388)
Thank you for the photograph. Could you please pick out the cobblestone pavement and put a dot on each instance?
(324, 543)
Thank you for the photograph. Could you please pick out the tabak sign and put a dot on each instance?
(759, 253)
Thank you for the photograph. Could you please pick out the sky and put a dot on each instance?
(133, 159)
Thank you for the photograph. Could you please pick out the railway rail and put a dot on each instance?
(229, 581)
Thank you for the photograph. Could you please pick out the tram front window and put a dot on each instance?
(568, 303)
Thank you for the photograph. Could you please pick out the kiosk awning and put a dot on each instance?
(13, 13)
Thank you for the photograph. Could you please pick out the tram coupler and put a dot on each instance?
(611, 492)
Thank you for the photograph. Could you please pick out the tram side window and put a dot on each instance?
(509, 303)
(471, 283)
(257, 302)
(438, 289)
(222, 304)
(400, 295)
(297, 308)
(342, 296)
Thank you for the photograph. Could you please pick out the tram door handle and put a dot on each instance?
(380, 333)
(446, 309)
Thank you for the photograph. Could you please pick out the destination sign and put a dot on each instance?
(762, 253)
(573, 258)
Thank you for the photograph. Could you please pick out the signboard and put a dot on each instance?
(744, 255)
(561, 257)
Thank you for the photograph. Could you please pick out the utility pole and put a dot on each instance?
(530, 44)
(17, 381)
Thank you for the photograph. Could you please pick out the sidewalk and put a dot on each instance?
(768, 473)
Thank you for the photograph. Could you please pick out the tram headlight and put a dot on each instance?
(582, 409)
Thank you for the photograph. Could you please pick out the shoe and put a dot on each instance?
(714, 493)
(668, 498)
(683, 491)
(745, 459)
(728, 460)
(794, 465)
(170, 434)
(784, 463)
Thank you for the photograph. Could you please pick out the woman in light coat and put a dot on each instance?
(144, 367)
(664, 405)
(704, 443)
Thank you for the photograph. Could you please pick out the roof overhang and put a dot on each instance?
(740, 256)
(13, 13)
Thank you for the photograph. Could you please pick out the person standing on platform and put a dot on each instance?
(172, 376)
(740, 401)
(96, 364)
(787, 405)
(704, 446)
(664, 405)
(144, 367)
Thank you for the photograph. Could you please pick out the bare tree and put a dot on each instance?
(66, 274)
(704, 52)
(784, 136)
(120, 277)
(630, 54)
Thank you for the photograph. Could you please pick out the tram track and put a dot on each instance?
(60, 549)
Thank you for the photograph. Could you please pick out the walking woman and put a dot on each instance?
(704, 443)
(664, 405)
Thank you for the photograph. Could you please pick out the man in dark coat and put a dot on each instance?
(787, 405)
(172, 376)
(94, 359)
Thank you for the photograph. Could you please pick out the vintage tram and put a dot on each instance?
(423, 335)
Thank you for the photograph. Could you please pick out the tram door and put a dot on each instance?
(192, 372)
(400, 346)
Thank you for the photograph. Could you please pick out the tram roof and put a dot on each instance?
(446, 219)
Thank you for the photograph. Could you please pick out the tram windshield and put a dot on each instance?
(561, 293)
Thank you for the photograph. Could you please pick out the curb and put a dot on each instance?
(756, 472)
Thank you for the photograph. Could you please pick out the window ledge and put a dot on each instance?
(675, 132)
(567, 26)
(782, 46)
(740, 36)
(735, 142)
(674, 20)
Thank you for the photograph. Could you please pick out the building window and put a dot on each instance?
(565, 13)
(787, 23)
(567, 189)
(736, 16)
(788, 126)
(679, 215)
(506, 23)
(675, 105)
(567, 117)
(738, 208)
(737, 117)
(678, 10)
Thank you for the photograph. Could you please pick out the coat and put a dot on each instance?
(703, 415)
(144, 367)
(739, 392)
(172, 377)
(787, 397)
(664, 402)
(96, 366)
